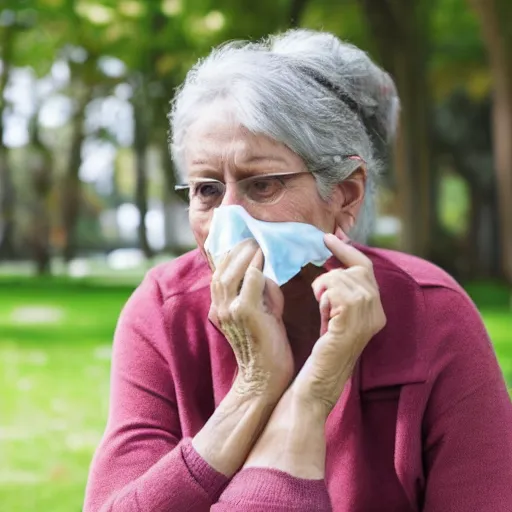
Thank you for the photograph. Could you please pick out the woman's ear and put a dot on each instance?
(349, 198)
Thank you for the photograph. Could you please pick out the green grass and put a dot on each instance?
(54, 379)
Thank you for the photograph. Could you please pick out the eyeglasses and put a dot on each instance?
(266, 189)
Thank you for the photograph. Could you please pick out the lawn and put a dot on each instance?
(55, 338)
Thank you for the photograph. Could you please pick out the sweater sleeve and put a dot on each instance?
(271, 490)
(142, 464)
(468, 420)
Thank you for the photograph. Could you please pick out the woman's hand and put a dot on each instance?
(352, 314)
(248, 309)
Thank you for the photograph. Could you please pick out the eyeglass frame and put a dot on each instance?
(283, 176)
(336, 158)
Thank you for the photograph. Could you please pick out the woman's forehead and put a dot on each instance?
(213, 142)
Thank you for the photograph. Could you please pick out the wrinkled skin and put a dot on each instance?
(263, 323)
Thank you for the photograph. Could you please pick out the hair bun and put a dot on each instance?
(352, 74)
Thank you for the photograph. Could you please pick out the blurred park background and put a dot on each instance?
(86, 184)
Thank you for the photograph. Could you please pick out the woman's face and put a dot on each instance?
(218, 148)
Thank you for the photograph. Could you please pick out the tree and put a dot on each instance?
(72, 195)
(495, 18)
(7, 191)
(142, 125)
(469, 152)
(40, 166)
(400, 29)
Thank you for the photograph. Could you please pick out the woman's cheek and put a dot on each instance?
(200, 225)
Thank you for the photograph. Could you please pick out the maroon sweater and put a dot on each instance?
(424, 424)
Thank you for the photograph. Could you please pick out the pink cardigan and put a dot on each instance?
(425, 424)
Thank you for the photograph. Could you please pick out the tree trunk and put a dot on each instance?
(400, 31)
(141, 146)
(482, 234)
(297, 9)
(41, 225)
(495, 18)
(7, 192)
(168, 196)
(41, 164)
(72, 193)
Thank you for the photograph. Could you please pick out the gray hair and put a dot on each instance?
(323, 98)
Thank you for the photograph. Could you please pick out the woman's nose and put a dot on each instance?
(231, 195)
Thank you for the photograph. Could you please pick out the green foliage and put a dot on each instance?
(458, 53)
(344, 18)
(159, 40)
(454, 204)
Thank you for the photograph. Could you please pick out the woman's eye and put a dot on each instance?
(265, 187)
(208, 190)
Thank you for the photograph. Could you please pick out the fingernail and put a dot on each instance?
(344, 236)
(338, 236)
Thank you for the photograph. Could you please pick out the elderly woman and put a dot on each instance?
(365, 382)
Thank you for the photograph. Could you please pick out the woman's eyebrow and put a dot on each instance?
(209, 172)
(256, 159)
(200, 161)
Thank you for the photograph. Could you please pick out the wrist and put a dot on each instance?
(313, 391)
(308, 405)
(230, 433)
(251, 403)
(293, 440)
(260, 388)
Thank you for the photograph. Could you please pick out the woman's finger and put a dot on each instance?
(234, 253)
(328, 280)
(230, 273)
(345, 253)
(258, 260)
(337, 299)
(254, 281)
(211, 263)
(325, 313)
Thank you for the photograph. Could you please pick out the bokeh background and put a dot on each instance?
(86, 184)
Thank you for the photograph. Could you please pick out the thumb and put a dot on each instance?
(345, 253)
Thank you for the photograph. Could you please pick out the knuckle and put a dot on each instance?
(223, 315)
(362, 272)
(379, 322)
(368, 296)
(356, 272)
(215, 283)
(364, 297)
(365, 272)
(383, 320)
(212, 314)
(224, 281)
(359, 298)
(337, 274)
(253, 274)
(249, 242)
(326, 301)
(239, 309)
